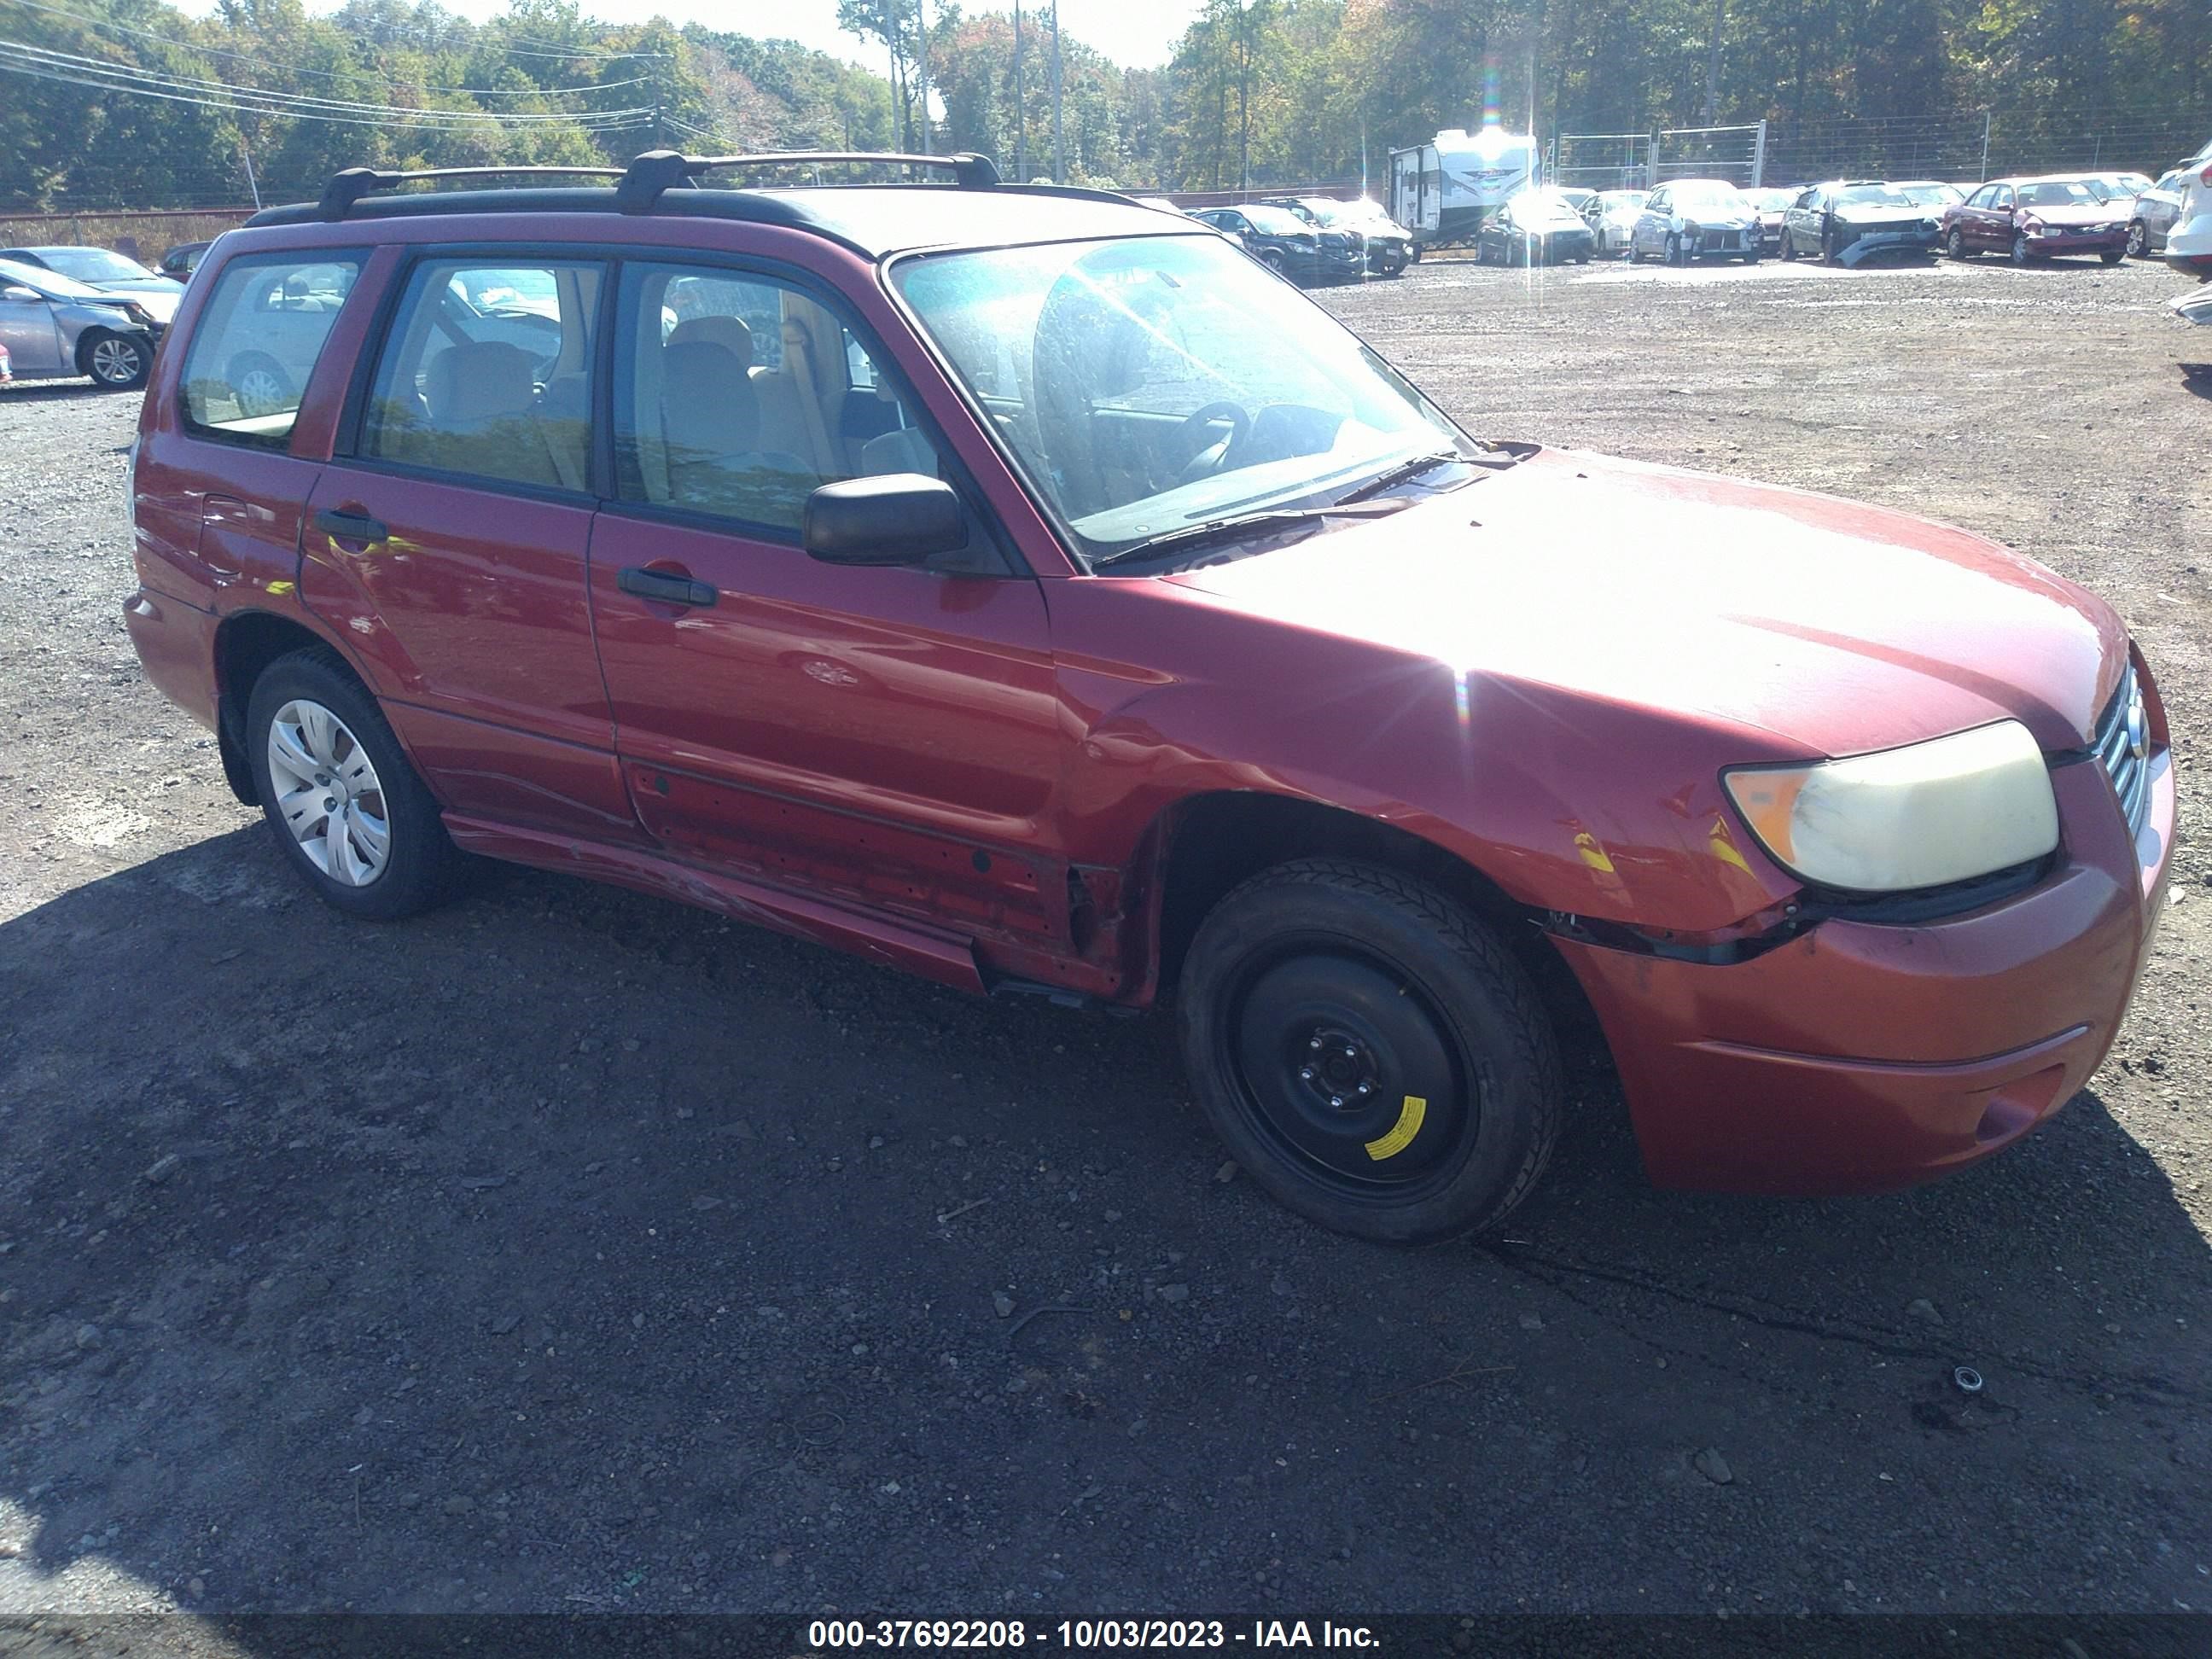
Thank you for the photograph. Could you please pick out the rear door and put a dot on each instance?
(448, 537)
(218, 494)
(880, 736)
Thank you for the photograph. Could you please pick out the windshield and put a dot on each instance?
(1153, 384)
(1772, 201)
(1277, 221)
(1873, 196)
(50, 283)
(1933, 193)
(1331, 214)
(1624, 201)
(1535, 207)
(93, 264)
(2058, 192)
(1705, 195)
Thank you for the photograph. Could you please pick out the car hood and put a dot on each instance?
(1716, 217)
(2095, 213)
(1836, 627)
(1883, 213)
(159, 294)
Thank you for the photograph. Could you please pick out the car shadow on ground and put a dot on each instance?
(568, 1250)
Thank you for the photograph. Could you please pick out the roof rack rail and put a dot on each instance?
(350, 186)
(659, 170)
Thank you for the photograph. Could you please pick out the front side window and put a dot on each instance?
(1157, 383)
(737, 395)
(487, 372)
(256, 342)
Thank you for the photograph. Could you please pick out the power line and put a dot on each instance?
(198, 49)
(421, 121)
(269, 101)
(699, 132)
(194, 84)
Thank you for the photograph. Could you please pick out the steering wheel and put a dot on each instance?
(1193, 438)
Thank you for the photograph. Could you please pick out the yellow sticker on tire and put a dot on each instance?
(1402, 1132)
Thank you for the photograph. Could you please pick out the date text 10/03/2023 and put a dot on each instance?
(828, 1634)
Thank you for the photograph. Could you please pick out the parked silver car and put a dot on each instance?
(2153, 214)
(108, 271)
(55, 327)
(1686, 220)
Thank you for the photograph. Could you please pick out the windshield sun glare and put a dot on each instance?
(1146, 385)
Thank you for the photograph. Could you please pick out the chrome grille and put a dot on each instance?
(2123, 745)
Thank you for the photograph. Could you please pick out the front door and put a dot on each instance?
(448, 540)
(27, 329)
(881, 736)
(1990, 221)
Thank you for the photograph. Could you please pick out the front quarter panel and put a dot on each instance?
(1570, 803)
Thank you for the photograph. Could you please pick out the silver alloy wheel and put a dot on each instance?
(115, 361)
(2138, 240)
(328, 793)
(260, 392)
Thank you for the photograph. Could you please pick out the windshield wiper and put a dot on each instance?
(1401, 473)
(1249, 523)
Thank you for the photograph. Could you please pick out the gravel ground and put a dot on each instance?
(568, 1250)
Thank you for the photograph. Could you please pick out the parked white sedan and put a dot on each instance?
(1612, 218)
(1688, 219)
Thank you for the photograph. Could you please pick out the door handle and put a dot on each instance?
(664, 585)
(350, 526)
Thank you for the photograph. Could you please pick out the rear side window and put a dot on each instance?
(487, 372)
(258, 341)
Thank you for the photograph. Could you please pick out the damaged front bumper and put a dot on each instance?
(1886, 242)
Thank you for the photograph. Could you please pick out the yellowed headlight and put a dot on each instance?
(1924, 816)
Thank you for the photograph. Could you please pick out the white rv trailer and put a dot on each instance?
(1443, 190)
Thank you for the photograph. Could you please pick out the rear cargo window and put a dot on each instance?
(256, 342)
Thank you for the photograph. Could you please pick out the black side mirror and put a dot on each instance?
(897, 517)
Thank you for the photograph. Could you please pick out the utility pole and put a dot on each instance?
(1713, 61)
(1985, 146)
(1021, 106)
(1059, 151)
(921, 67)
(902, 110)
(251, 183)
(1244, 96)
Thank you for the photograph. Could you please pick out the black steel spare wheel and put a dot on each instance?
(1370, 1052)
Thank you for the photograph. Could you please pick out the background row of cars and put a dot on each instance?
(1841, 222)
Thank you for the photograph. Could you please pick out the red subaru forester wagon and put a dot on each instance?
(1026, 588)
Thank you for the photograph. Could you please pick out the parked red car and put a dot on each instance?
(1013, 586)
(2031, 219)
